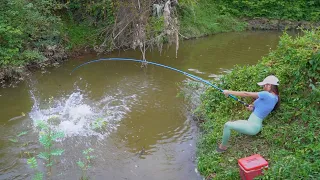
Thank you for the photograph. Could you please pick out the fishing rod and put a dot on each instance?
(161, 65)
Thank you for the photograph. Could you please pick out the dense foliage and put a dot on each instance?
(97, 13)
(289, 139)
(202, 17)
(26, 28)
(29, 28)
(278, 9)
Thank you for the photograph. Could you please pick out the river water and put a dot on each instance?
(147, 131)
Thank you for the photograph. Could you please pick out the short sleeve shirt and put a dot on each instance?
(264, 104)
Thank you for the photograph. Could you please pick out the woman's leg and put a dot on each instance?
(241, 126)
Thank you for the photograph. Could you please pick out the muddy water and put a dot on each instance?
(147, 134)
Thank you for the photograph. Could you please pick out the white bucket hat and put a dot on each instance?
(269, 80)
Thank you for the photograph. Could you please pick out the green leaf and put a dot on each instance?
(13, 140)
(89, 157)
(42, 125)
(57, 135)
(49, 164)
(44, 155)
(32, 162)
(57, 152)
(88, 151)
(80, 164)
(98, 124)
(38, 176)
(22, 133)
(45, 141)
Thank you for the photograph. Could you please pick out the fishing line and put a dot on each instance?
(164, 66)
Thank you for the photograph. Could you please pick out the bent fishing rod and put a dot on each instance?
(164, 66)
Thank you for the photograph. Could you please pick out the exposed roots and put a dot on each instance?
(133, 25)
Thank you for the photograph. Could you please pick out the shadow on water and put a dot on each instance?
(148, 133)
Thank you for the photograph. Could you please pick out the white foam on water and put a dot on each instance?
(75, 115)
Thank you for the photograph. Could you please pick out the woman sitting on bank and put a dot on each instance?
(265, 102)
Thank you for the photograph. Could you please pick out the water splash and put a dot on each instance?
(75, 115)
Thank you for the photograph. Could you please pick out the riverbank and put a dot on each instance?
(79, 44)
(290, 136)
(276, 24)
(53, 56)
(48, 39)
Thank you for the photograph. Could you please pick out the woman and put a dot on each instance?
(265, 102)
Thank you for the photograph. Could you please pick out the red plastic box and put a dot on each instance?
(252, 166)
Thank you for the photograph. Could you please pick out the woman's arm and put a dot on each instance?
(241, 93)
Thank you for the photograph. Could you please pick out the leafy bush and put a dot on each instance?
(25, 29)
(281, 9)
(92, 12)
(290, 136)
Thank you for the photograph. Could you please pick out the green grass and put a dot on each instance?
(203, 18)
(280, 9)
(78, 36)
(289, 139)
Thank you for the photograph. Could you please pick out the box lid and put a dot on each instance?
(253, 162)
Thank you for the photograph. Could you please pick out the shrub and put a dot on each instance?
(26, 28)
(281, 9)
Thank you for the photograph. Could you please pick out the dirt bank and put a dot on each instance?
(276, 24)
(10, 76)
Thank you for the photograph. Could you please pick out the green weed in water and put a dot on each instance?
(15, 140)
(47, 137)
(32, 162)
(99, 124)
(85, 164)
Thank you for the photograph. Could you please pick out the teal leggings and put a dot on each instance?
(250, 127)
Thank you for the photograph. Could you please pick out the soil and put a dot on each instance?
(276, 24)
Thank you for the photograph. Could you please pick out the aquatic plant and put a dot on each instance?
(46, 139)
(85, 164)
(15, 139)
(98, 124)
(32, 162)
(21, 144)
(34, 165)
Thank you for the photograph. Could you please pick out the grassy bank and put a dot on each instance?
(289, 139)
(78, 36)
(41, 33)
(203, 18)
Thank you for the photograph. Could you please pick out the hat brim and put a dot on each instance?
(261, 83)
(264, 83)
